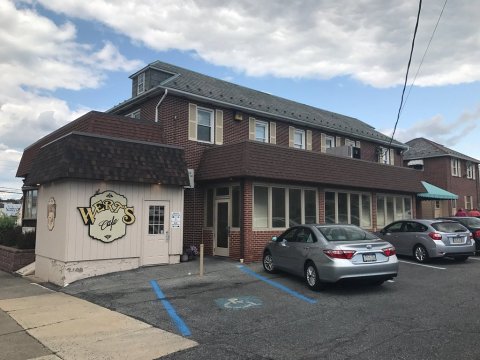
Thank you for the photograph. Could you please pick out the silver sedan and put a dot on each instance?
(329, 253)
(424, 239)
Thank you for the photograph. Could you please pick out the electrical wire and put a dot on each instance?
(408, 68)
(424, 54)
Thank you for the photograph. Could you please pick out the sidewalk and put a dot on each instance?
(38, 323)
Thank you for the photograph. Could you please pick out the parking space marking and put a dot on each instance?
(181, 326)
(277, 285)
(474, 258)
(429, 266)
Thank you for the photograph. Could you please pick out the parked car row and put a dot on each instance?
(328, 253)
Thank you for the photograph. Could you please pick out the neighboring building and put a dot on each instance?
(257, 163)
(447, 169)
(10, 209)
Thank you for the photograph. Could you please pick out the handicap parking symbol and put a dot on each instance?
(239, 303)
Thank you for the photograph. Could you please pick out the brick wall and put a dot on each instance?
(12, 259)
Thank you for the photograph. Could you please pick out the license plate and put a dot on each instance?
(369, 257)
(457, 240)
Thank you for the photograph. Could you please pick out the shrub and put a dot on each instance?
(7, 224)
(12, 235)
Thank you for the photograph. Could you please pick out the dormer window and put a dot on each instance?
(141, 83)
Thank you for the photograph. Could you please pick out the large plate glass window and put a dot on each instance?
(390, 208)
(295, 206)
(260, 204)
(204, 125)
(156, 219)
(348, 208)
(310, 206)
(30, 210)
(278, 207)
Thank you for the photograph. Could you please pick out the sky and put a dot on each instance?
(62, 58)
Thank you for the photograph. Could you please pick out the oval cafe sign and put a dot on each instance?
(107, 216)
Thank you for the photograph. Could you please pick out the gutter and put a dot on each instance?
(159, 102)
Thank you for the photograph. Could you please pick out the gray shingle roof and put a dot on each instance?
(87, 156)
(192, 83)
(421, 148)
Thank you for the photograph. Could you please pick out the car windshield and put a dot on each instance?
(472, 222)
(345, 233)
(449, 227)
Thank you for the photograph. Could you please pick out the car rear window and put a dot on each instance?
(345, 233)
(449, 227)
(473, 222)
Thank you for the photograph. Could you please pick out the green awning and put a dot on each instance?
(436, 193)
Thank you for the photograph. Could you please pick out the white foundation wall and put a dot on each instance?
(67, 253)
(63, 273)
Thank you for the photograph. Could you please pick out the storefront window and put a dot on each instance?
(310, 206)
(348, 208)
(30, 211)
(389, 217)
(390, 208)
(260, 205)
(295, 206)
(278, 207)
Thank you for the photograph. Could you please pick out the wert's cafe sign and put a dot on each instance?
(107, 216)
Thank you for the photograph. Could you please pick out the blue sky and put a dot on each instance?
(62, 58)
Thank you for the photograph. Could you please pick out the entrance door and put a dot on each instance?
(156, 232)
(221, 228)
(438, 209)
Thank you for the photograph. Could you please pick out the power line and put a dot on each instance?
(408, 68)
(425, 53)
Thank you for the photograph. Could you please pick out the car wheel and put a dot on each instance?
(461, 258)
(311, 276)
(420, 253)
(268, 263)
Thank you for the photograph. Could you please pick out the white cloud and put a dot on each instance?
(38, 56)
(448, 133)
(368, 40)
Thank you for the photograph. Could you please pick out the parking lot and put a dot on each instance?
(238, 311)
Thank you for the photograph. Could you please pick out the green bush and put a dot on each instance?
(12, 235)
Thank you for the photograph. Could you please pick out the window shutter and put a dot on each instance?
(323, 145)
(357, 144)
(338, 141)
(273, 132)
(192, 122)
(309, 139)
(251, 128)
(459, 168)
(291, 136)
(219, 127)
(392, 156)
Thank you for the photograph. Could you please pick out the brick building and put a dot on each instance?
(447, 169)
(259, 163)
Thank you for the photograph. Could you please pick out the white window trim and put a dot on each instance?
(332, 141)
(360, 194)
(134, 114)
(456, 167)
(384, 156)
(395, 199)
(263, 124)
(302, 136)
(141, 82)
(212, 125)
(470, 171)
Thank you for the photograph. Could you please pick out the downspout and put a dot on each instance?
(158, 105)
(242, 226)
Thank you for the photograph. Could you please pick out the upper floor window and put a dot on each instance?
(141, 83)
(456, 167)
(134, 114)
(384, 156)
(204, 125)
(261, 131)
(299, 139)
(470, 171)
(329, 142)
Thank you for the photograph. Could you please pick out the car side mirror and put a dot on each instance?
(274, 238)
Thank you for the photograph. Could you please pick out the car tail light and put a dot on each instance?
(476, 234)
(340, 254)
(435, 235)
(389, 251)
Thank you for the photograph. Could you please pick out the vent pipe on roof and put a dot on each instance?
(158, 105)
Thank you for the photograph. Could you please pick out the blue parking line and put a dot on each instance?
(182, 327)
(277, 285)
